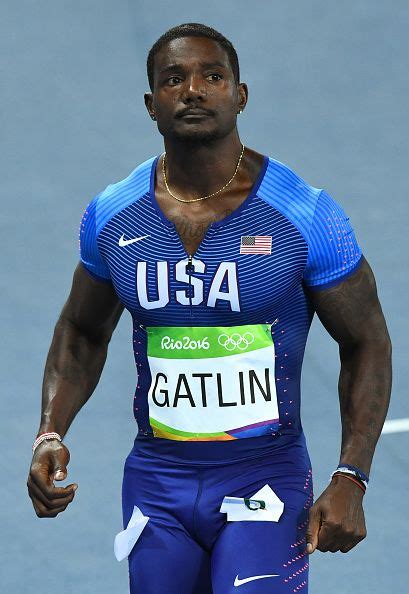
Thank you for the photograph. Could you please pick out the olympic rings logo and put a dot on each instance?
(236, 341)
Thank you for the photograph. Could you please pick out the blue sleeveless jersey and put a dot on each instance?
(219, 335)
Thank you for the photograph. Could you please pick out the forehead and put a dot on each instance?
(188, 51)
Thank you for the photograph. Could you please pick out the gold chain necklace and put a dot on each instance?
(209, 195)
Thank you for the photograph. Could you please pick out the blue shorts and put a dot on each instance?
(188, 547)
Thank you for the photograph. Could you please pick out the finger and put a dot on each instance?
(312, 530)
(41, 478)
(352, 541)
(50, 505)
(43, 512)
(36, 494)
(60, 472)
(347, 547)
(46, 486)
(329, 538)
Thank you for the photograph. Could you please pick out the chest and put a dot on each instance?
(242, 267)
(192, 220)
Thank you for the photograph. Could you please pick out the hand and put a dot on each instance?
(337, 521)
(49, 463)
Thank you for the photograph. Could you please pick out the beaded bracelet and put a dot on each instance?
(43, 437)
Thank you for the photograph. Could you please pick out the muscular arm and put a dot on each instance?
(352, 315)
(74, 364)
(78, 350)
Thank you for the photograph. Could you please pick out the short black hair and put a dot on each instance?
(192, 30)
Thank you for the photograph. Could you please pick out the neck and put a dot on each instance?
(201, 168)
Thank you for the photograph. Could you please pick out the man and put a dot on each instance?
(222, 255)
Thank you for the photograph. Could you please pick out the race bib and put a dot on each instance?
(214, 383)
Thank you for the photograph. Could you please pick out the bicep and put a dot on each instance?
(93, 307)
(350, 311)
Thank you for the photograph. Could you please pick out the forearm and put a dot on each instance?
(364, 393)
(73, 368)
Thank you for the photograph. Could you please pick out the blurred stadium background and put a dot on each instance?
(328, 86)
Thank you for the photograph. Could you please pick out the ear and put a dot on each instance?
(148, 98)
(243, 94)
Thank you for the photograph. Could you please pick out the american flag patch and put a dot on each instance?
(255, 244)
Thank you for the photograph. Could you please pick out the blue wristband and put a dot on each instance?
(354, 471)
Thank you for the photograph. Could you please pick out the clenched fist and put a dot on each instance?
(49, 463)
(337, 521)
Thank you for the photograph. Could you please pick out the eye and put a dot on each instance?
(215, 74)
(173, 80)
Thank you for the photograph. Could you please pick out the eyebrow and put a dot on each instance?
(180, 66)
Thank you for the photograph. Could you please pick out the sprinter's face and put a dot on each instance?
(195, 95)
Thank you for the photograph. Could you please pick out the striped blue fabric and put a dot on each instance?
(125, 238)
(118, 196)
(333, 249)
(89, 251)
(290, 195)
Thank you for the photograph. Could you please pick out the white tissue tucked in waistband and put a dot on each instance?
(125, 540)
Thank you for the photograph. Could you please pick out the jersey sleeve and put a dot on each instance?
(334, 252)
(90, 255)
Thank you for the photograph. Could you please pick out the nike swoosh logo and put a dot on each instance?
(238, 582)
(122, 241)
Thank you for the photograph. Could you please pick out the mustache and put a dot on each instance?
(187, 110)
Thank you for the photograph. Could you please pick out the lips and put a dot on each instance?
(193, 112)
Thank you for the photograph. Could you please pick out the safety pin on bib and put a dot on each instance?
(255, 504)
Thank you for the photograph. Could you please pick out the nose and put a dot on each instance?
(194, 88)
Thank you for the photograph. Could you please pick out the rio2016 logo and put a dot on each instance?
(229, 342)
(236, 341)
(184, 343)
